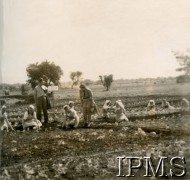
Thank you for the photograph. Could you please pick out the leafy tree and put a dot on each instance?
(184, 62)
(183, 79)
(106, 81)
(47, 70)
(87, 82)
(23, 89)
(76, 78)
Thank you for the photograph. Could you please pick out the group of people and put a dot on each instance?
(33, 119)
(166, 105)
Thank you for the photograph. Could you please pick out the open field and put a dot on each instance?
(91, 153)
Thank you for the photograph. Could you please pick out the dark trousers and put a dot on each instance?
(41, 104)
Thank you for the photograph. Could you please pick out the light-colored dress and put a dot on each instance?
(185, 104)
(3, 122)
(120, 112)
(105, 109)
(71, 118)
(30, 120)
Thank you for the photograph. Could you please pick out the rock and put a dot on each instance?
(14, 149)
(29, 170)
(100, 137)
(81, 139)
(61, 142)
(110, 131)
(125, 128)
(141, 132)
(153, 133)
(94, 133)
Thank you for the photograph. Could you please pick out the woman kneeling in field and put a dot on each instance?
(30, 120)
(5, 124)
(106, 109)
(151, 106)
(166, 105)
(71, 119)
(120, 112)
(185, 104)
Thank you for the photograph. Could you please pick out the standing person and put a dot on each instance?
(87, 103)
(41, 101)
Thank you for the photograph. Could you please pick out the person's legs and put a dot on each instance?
(64, 123)
(44, 107)
(39, 108)
(85, 114)
(76, 123)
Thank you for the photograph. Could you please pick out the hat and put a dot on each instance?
(40, 80)
(71, 102)
(65, 107)
(82, 85)
(31, 106)
(4, 107)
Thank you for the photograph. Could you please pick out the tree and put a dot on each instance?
(183, 79)
(106, 81)
(87, 82)
(23, 89)
(76, 78)
(46, 69)
(184, 62)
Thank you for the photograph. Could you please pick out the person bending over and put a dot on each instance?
(30, 120)
(71, 119)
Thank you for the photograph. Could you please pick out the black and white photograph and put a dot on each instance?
(94, 89)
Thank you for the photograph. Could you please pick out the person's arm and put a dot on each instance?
(24, 118)
(76, 117)
(90, 94)
(35, 95)
(8, 123)
(64, 120)
(81, 98)
(35, 118)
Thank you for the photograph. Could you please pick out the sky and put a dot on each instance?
(129, 39)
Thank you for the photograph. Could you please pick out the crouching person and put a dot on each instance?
(106, 109)
(166, 105)
(185, 104)
(30, 120)
(120, 112)
(5, 124)
(151, 106)
(71, 119)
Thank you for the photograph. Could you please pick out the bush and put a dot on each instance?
(183, 79)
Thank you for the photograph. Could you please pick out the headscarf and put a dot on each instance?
(65, 107)
(152, 102)
(82, 85)
(32, 107)
(120, 104)
(105, 106)
(71, 102)
(3, 109)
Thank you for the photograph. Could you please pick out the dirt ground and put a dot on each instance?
(91, 153)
